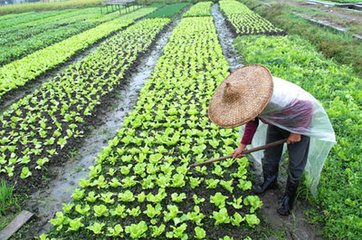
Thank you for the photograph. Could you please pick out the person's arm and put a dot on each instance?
(250, 129)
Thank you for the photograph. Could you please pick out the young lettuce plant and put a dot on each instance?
(221, 217)
(137, 231)
(219, 200)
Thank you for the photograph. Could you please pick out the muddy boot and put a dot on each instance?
(286, 202)
(270, 181)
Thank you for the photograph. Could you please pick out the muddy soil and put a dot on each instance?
(46, 202)
(296, 225)
(226, 38)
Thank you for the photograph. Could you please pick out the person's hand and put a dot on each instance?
(238, 152)
(294, 138)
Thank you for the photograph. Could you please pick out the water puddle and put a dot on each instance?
(226, 39)
(46, 202)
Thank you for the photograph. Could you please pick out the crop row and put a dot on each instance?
(199, 9)
(48, 5)
(246, 22)
(38, 127)
(18, 42)
(168, 10)
(141, 185)
(19, 72)
(339, 90)
(12, 20)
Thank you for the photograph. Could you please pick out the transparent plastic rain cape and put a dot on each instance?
(320, 131)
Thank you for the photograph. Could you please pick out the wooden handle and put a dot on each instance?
(273, 144)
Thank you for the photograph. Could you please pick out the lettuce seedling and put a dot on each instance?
(100, 210)
(119, 211)
(200, 233)
(137, 231)
(218, 199)
(82, 211)
(178, 197)
(196, 216)
(157, 231)
(198, 200)
(252, 219)
(218, 171)
(115, 183)
(75, 224)
(116, 231)
(227, 185)
(152, 212)
(78, 194)
(96, 228)
(178, 180)
(237, 219)
(221, 217)
(171, 214)
(126, 196)
(107, 197)
(194, 182)
(254, 202)
(134, 211)
(244, 185)
(211, 183)
(92, 197)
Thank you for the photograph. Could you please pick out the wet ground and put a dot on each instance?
(46, 202)
(296, 225)
(226, 39)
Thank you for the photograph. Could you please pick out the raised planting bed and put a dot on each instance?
(243, 21)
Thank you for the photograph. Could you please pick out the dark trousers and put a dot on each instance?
(298, 153)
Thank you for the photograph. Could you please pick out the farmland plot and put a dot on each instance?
(141, 185)
(39, 127)
(200, 9)
(339, 90)
(26, 38)
(19, 72)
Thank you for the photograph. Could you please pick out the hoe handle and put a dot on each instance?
(273, 144)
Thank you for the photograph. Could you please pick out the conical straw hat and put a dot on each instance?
(242, 96)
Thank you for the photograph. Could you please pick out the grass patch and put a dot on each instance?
(9, 204)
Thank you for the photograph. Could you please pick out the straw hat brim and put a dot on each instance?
(254, 88)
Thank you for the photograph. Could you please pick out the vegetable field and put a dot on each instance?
(141, 186)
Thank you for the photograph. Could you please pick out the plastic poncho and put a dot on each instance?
(319, 128)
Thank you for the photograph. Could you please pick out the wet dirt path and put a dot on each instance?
(295, 226)
(226, 39)
(46, 202)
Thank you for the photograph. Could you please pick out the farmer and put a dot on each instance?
(275, 109)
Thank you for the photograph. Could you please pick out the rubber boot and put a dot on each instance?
(287, 201)
(270, 181)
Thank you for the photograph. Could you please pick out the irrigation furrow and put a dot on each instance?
(226, 39)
